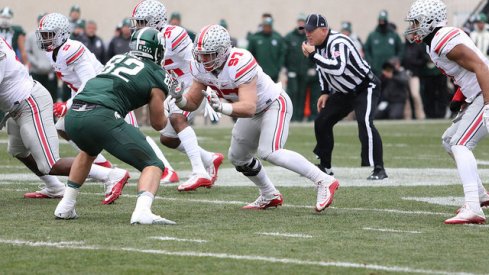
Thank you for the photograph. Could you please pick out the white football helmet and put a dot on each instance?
(423, 17)
(6, 15)
(212, 47)
(149, 13)
(53, 31)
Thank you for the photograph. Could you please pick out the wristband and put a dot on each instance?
(182, 103)
(227, 109)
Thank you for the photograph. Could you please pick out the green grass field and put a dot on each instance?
(394, 226)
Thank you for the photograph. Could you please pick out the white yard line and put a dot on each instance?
(390, 230)
(288, 235)
(166, 238)
(348, 177)
(290, 261)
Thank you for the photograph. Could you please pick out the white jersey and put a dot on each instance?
(75, 64)
(240, 68)
(178, 53)
(444, 41)
(15, 81)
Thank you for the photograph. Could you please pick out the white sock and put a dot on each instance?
(100, 159)
(188, 140)
(482, 190)
(99, 173)
(52, 182)
(263, 181)
(70, 195)
(158, 152)
(467, 171)
(206, 157)
(297, 163)
(144, 201)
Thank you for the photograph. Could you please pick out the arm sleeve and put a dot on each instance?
(335, 65)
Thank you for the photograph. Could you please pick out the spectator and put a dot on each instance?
(434, 91)
(347, 30)
(480, 35)
(382, 44)
(268, 48)
(176, 20)
(77, 24)
(79, 32)
(413, 59)
(297, 67)
(14, 35)
(40, 67)
(120, 44)
(94, 43)
(395, 90)
(224, 24)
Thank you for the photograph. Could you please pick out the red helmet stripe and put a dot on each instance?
(41, 22)
(136, 7)
(201, 37)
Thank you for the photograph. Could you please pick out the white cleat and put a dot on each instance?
(46, 193)
(114, 184)
(264, 202)
(212, 169)
(195, 181)
(65, 211)
(466, 215)
(146, 217)
(169, 176)
(325, 194)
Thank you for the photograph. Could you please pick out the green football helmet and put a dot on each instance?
(148, 43)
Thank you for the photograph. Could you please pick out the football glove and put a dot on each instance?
(60, 109)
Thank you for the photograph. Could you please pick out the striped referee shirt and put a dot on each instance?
(339, 64)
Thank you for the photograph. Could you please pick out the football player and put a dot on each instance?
(32, 137)
(454, 53)
(95, 122)
(263, 110)
(178, 133)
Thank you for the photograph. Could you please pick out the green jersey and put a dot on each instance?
(125, 84)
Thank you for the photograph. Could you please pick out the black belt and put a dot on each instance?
(79, 105)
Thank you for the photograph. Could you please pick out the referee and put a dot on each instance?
(347, 84)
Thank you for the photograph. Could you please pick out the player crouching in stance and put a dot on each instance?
(455, 54)
(95, 122)
(263, 110)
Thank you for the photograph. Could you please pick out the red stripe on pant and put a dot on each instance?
(281, 122)
(40, 131)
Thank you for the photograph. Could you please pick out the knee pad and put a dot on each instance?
(250, 170)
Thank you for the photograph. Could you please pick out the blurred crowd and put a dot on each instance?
(412, 86)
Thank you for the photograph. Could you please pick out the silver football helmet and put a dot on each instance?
(212, 47)
(6, 15)
(423, 17)
(53, 31)
(149, 13)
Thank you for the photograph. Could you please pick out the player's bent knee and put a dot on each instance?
(250, 170)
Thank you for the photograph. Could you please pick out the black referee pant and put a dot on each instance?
(364, 101)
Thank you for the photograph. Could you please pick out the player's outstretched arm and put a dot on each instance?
(156, 110)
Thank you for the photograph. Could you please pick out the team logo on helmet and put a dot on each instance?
(147, 43)
(212, 47)
(149, 13)
(423, 17)
(53, 31)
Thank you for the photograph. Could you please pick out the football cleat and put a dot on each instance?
(195, 181)
(484, 201)
(325, 194)
(217, 159)
(45, 193)
(378, 174)
(65, 211)
(264, 202)
(467, 216)
(146, 217)
(114, 185)
(106, 164)
(169, 176)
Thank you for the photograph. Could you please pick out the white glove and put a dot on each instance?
(216, 104)
(485, 115)
(210, 113)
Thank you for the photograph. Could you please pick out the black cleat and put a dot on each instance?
(378, 174)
